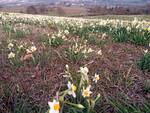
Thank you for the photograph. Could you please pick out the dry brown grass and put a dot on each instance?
(117, 67)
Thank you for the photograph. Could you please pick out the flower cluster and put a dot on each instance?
(76, 91)
(29, 53)
(77, 23)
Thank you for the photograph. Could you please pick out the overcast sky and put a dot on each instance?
(101, 1)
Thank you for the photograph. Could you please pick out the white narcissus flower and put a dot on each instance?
(135, 21)
(20, 47)
(54, 106)
(66, 32)
(84, 70)
(53, 37)
(99, 52)
(11, 55)
(67, 66)
(148, 28)
(64, 37)
(31, 50)
(28, 51)
(10, 45)
(59, 34)
(96, 78)
(84, 51)
(86, 92)
(146, 51)
(128, 28)
(71, 89)
(104, 35)
(90, 50)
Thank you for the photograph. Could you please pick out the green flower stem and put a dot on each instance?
(75, 105)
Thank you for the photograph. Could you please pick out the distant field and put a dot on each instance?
(122, 17)
(51, 10)
(73, 11)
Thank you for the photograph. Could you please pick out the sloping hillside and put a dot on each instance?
(52, 64)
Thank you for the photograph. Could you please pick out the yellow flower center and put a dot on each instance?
(74, 88)
(86, 93)
(97, 78)
(56, 107)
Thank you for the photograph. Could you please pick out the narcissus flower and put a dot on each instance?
(146, 51)
(53, 37)
(128, 28)
(90, 50)
(59, 34)
(54, 106)
(99, 52)
(148, 29)
(67, 67)
(31, 50)
(20, 47)
(104, 35)
(96, 78)
(84, 70)
(86, 92)
(10, 45)
(66, 32)
(71, 89)
(11, 55)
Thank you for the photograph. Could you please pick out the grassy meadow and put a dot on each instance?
(51, 64)
(122, 17)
